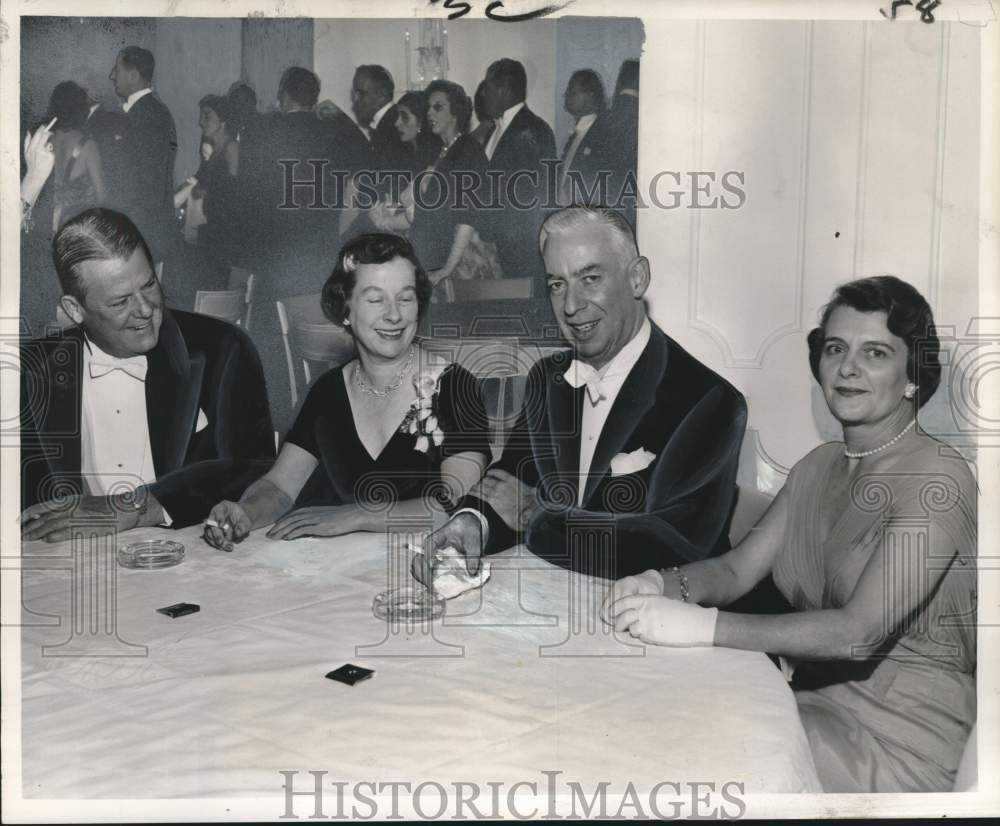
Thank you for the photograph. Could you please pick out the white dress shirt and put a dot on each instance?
(595, 414)
(377, 117)
(114, 442)
(502, 123)
(130, 101)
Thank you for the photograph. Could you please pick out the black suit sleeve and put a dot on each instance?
(235, 448)
(689, 500)
(518, 460)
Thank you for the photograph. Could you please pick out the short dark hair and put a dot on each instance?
(479, 101)
(591, 83)
(300, 85)
(908, 316)
(219, 105)
(458, 101)
(371, 248)
(140, 59)
(415, 102)
(70, 103)
(380, 76)
(628, 75)
(94, 235)
(242, 104)
(510, 74)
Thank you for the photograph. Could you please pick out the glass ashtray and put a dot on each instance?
(410, 603)
(151, 554)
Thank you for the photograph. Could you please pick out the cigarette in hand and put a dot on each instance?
(51, 124)
(226, 529)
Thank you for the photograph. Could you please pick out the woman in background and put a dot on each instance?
(873, 541)
(446, 234)
(411, 123)
(77, 177)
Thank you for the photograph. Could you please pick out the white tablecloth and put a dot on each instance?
(128, 703)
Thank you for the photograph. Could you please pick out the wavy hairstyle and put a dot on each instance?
(371, 248)
(908, 316)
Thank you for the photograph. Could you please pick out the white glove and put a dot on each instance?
(648, 582)
(664, 621)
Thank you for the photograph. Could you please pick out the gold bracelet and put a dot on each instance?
(685, 593)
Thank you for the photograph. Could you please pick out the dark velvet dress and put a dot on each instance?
(449, 198)
(348, 473)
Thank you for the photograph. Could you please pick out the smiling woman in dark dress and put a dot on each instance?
(393, 428)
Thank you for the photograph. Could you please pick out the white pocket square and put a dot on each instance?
(632, 462)
(202, 421)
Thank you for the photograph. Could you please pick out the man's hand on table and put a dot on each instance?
(329, 520)
(514, 502)
(464, 532)
(51, 521)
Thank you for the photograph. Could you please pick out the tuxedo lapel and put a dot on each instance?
(60, 427)
(564, 407)
(173, 387)
(634, 401)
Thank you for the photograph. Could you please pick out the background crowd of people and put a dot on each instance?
(277, 192)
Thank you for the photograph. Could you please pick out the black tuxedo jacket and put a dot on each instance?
(675, 510)
(148, 172)
(198, 363)
(109, 130)
(521, 149)
(592, 165)
(621, 149)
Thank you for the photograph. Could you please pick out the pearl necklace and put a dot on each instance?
(862, 453)
(364, 387)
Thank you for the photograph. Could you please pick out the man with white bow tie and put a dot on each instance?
(623, 458)
(139, 414)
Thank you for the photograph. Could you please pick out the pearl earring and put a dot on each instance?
(910, 390)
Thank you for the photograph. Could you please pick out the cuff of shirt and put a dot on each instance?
(482, 521)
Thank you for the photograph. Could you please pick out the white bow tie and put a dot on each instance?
(135, 366)
(580, 374)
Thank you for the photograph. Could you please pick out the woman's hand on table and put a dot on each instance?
(227, 523)
(664, 621)
(648, 583)
(331, 520)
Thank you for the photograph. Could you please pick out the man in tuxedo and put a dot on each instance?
(147, 162)
(292, 171)
(109, 130)
(139, 415)
(372, 91)
(625, 452)
(583, 168)
(622, 139)
(519, 143)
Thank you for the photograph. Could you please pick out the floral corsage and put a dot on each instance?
(423, 418)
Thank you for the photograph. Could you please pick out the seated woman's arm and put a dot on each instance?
(458, 474)
(724, 579)
(892, 590)
(898, 580)
(263, 501)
